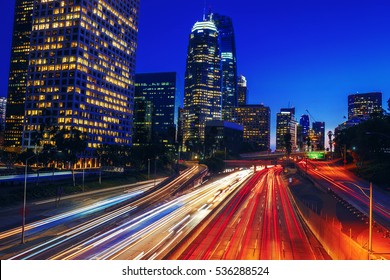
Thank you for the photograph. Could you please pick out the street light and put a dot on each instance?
(155, 168)
(370, 215)
(148, 168)
(100, 169)
(24, 196)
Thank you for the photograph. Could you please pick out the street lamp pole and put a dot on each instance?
(24, 198)
(370, 225)
(100, 170)
(155, 169)
(370, 215)
(148, 168)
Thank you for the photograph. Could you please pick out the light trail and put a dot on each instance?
(150, 234)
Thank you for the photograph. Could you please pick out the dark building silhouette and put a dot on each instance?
(319, 131)
(227, 48)
(154, 113)
(223, 136)
(17, 81)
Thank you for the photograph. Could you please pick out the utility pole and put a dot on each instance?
(370, 222)
(148, 168)
(24, 197)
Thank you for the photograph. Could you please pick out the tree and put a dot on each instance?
(330, 135)
(71, 143)
(388, 104)
(287, 143)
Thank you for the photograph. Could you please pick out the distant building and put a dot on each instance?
(286, 123)
(319, 131)
(81, 70)
(3, 104)
(304, 122)
(142, 124)
(180, 125)
(256, 121)
(227, 46)
(154, 111)
(242, 91)
(202, 85)
(17, 81)
(360, 108)
(223, 136)
(364, 104)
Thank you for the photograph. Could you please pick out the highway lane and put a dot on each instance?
(153, 234)
(77, 208)
(133, 218)
(106, 214)
(259, 222)
(350, 187)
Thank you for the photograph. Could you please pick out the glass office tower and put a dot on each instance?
(227, 42)
(155, 108)
(202, 84)
(18, 74)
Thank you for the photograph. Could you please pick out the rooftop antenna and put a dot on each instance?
(204, 11)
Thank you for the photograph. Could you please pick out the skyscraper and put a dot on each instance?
(256, 120)
(303, 132)
(319, 130)
(202, 84)
(3, 104)
(227, 42)
(158, 90)
(18, 73)
(364, 104)
(305, 123)
(286, 123)
(81, 69)
(242, 90)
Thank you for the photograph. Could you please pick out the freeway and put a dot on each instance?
(146, 228)
(152, 234)
(258, 222)
(351, 188)
(67, 228)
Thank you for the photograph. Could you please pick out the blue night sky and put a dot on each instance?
(306, 54)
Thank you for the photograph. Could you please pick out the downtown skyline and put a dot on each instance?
(307, 56)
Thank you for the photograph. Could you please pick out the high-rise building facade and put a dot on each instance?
(256, 120)
(319, 130)
(286, 123)
(81, 69)
(223, 136)
(3, 104)
(202, 85)
(304, 122)
(155, 108)
(303, 133)
(242, 90)
(18, 74)
(227, 46)
(364, 104)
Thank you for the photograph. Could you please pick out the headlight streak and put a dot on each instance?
(161, 227)
(70, 214)
(69, 235)
(183, 215)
